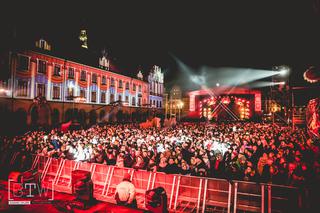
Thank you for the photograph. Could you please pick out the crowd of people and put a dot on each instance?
(249, 151)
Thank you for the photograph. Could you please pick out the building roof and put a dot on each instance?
(81, 59)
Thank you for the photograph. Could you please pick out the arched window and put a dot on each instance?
(71, 73)
(111, 98)
(103, 80)
(133, 101)
(94, 78)
(83, 76)
(112, 82)
(120, 83)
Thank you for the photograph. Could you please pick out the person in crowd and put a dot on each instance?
(251, 151)
(126, 193)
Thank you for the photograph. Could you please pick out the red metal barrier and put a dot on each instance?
(185, 193)
(217, 193)
(49, 177)
(188, 194)
(100, 177)
(115, 178)
(166, 181)
(141, 179)
(248, 196)
(280, 197)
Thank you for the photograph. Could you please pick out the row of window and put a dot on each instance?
(155, 103)
(22, 91)
(23, 65)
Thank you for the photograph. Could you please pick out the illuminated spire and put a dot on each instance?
(83, 38)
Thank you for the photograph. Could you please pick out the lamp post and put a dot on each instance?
(63, 85)
(180, 105)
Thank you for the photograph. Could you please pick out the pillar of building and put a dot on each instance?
(98, 90)
(88, 86)
(76, 86)
(115, 90)
(33, 68)
(49, 76)
(108, 90)
(123, 90)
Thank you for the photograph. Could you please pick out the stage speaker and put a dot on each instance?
(156, 200)
(30, 176)
(15, 177)
(82, 187)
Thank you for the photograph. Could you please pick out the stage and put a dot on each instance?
(59, 198)
(225, 103)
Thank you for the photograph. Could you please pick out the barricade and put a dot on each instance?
(248, 196)
(185, 193)
(116, 176)
(42, 162)
(63, 180)
(282, 198)
(13, 158)
(217, 193)
(49, 177)
(100, 177)
(141, 179)
(188, 194)
(166, 181)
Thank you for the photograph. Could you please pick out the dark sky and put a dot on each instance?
(251, 34)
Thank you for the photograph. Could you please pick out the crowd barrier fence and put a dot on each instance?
(185, 193)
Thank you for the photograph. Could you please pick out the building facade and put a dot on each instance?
(156, 87)
(70, 86)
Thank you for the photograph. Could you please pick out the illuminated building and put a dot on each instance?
(75, 90)
(156, 87)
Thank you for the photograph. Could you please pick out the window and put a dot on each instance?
(120, 83)
(83, 76)
(23, 63)
(22, 88)
(41, 90)
(56, 70)
(133, 101)
(139, 88)
(127, 85)
(103, 81)
(134, 87)
(150, 102)
(103, 97)
(70, 93)
(111, 98)
(82, 93)
(42, 66)
(127, 98)
(71, 73)
(56, 92)
(93, 96)
(160, 104)
(112, 82)
(119, 98)
(139, 101)
(94, 78)
(154, 103)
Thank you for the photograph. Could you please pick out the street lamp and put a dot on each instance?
(180, 105)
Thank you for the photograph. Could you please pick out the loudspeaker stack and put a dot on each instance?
(156, 200)
(82, 187)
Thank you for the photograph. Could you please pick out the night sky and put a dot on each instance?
(142, 34)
